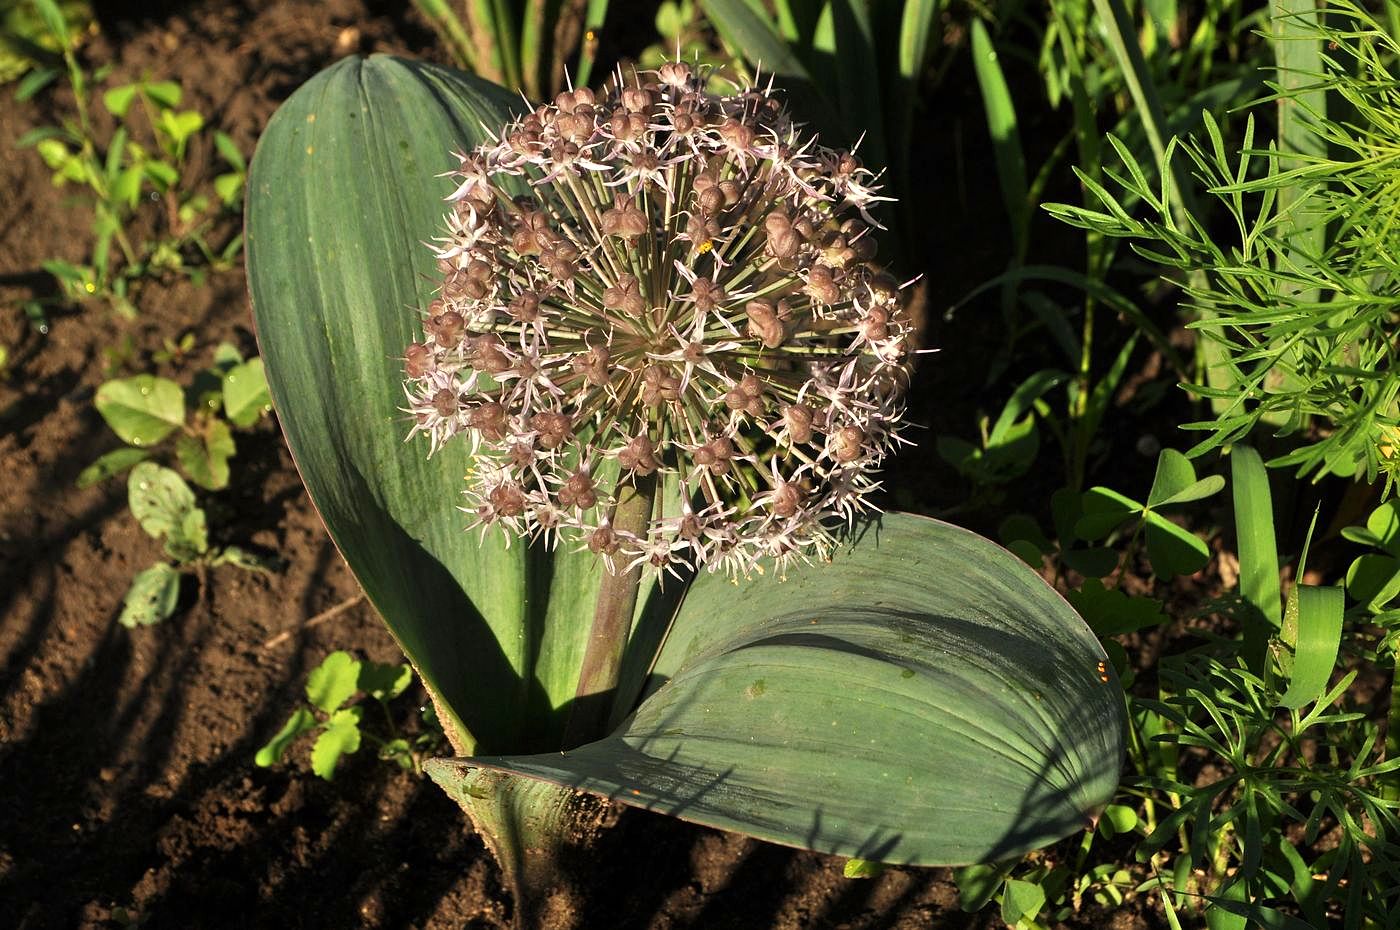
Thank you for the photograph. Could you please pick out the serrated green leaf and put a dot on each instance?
(246, 396)
(159, 498)
(384, 682)
(110, 465)
(785, 708)
(152, 597)
(302, 720)
(340, 737)
(142, 410)
(333, 682)
(205, 457)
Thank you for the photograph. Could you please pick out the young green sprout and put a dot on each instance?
(684, 294)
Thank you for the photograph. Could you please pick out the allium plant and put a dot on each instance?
(686, 287)
(655, 322)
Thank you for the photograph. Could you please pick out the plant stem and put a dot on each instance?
(1390, 790)
(612, 619)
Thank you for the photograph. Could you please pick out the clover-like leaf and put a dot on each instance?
(1113, 613)
(141, 410)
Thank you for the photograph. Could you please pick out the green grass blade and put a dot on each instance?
(593, 20)
(1318, 638)
(1258, 553)
(1297, 45)
(1006, 136)
(858, 78)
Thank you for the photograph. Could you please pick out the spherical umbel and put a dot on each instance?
(684, 293)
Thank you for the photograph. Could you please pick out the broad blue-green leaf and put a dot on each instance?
(343, 192)
(152, 596)
(923, 698)
(141, 410)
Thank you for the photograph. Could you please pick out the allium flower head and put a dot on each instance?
(658, 285)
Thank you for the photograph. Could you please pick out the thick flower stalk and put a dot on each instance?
(664, 287)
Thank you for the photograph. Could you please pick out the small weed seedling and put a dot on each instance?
(164, 505)
(146, 410)
(331, 709)
(121, 173)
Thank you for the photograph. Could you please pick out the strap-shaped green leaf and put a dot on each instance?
(344, 192)
(924, 698)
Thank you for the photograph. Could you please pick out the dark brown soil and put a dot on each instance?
(126, 757)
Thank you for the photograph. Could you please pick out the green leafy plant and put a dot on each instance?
(1297, 299)
(164, 505)
(1257, 795)
(120, 174)
(332, 712)
(195, 424)
(722, 710)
